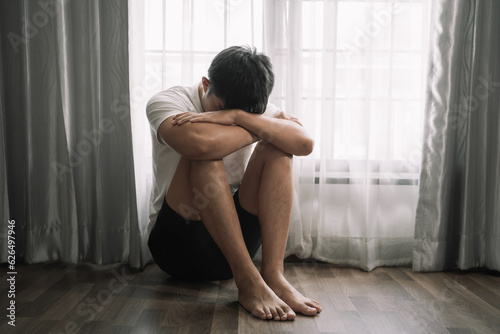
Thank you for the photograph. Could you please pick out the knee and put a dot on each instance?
(209, 164)
(212, 168)
(209, 170)
(269, 151)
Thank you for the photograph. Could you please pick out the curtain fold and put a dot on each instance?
(458, 212)
(4, 196)
(283, 44)
(143, 81)
(68, 133)
(346, 70)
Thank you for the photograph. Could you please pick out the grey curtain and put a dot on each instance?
(4, 197)
(66, 143)
(458, 213)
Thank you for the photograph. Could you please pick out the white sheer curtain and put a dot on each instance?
(352, 71)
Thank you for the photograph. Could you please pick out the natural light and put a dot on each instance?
(375, 52)
(353, 72)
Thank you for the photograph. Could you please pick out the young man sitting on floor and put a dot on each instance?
(214, 201)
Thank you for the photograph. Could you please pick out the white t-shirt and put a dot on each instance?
(171, 102)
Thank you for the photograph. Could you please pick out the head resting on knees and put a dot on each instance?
(240, 78)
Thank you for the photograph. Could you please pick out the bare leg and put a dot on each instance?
(267, 190)
(221, 220)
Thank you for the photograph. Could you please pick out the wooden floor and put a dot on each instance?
(58, 298)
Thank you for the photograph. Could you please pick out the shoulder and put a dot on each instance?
(168, 103)
(175, 96)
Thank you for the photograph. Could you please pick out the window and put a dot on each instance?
(183, 36)
(362, 63)
(352, 71)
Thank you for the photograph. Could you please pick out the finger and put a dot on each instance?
(180, 114)
(177, 117)
(184, 119)
(177, 120)
(201, 119)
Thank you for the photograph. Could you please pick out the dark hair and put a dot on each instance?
(242, 78)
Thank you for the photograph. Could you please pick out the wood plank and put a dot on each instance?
(330, 321)
(457, 303)
(130, 310)
(226, 308)
(67, 301)
(247, 323)
(353, 322)
(489, 280)
(23, 324)
(335, 295)
(48, 298)
(150, 321)
(387, 300)
(454, 330)
(197, 316)
(422, 318)
(94, 327)
(328, 292)
(120, 330)
(397, 273)
(32, 282)
(345, 277)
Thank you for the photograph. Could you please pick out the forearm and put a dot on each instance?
(219, 141)
(205, 141)
(285, 134)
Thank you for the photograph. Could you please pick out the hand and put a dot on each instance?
(288, 117)
(223, 117)
(184, 117)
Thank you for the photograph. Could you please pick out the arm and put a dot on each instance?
(204, 141)
(284, 131)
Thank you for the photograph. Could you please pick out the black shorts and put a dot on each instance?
(185, 250)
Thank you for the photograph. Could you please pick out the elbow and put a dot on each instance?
(198, 149)
(195, 151)
(186, 141)
(306, 147)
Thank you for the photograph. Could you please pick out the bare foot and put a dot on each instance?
(298, 302)
(258, 299)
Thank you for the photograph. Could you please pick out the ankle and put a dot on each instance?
(272, 273)
(244, 277)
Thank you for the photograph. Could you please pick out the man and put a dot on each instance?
(213, 204)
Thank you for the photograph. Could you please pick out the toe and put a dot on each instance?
(259, 314)
(316, 305)
(307, 310)
(276, 316)
(290, 315)
(269, 315)
(282, 314)
(319, 308)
